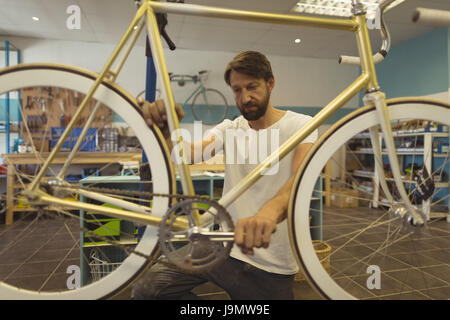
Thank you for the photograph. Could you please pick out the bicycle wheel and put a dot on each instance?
(209, 106)
(369, 248)
(50, 252)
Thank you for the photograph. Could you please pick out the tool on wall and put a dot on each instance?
(50, 99)
(43, 104)
(76, 101)
(28, 105)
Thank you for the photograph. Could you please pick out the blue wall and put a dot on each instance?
(417, 67)
(13, 109)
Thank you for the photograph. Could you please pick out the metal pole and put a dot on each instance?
(7, 101)
(19, 97)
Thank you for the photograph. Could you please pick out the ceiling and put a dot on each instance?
(105, 21)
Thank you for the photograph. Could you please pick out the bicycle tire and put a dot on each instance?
(358, 243)
(212, 111)
(152, 142)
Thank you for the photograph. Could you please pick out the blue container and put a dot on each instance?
(89, 142)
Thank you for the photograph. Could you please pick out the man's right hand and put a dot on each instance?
(155, 113)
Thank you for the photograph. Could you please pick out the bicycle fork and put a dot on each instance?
(406, 207)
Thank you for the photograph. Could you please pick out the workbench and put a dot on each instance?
(81, 158)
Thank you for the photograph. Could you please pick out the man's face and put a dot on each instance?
(251, 94)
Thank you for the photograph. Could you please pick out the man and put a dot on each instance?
(261, 265)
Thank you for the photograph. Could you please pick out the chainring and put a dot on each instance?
(190, 250)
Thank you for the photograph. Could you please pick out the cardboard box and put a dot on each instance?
(344, 198)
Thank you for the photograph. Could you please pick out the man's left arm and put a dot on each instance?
(255, 231)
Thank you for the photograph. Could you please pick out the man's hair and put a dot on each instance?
(251, 63)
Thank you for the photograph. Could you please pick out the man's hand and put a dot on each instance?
(155, 113)
(254, 232)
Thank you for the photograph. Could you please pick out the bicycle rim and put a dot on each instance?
(209, 106)
(61, 253)
(374, 252)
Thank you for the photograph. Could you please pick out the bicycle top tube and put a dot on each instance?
(255, 16)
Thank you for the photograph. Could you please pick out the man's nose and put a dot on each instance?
(245, 96)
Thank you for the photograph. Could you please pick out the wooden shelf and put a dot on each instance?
(97, 158)
(80, 157)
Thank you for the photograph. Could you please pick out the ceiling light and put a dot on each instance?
(339, 8)
(35, 18)
(297, 40)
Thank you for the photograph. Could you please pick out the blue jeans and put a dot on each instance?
(239, 279)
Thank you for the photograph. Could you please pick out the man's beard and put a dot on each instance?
(261, 107)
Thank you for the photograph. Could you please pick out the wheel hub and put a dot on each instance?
(409, 221)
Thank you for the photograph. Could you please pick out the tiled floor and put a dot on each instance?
(30, 259)
(34, 260)
(414, 267)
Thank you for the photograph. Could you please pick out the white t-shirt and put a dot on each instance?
(244, 148)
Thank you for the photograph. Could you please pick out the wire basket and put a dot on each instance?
(323, 251)
(100, 268)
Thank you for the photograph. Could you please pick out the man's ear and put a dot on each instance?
(271, 83)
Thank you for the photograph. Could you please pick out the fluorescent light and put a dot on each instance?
(35, 18)
(297, 40)
(339, 8)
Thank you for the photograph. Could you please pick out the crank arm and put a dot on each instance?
(215, 236)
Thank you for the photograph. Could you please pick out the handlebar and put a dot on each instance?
(432, 17)
(385, 36)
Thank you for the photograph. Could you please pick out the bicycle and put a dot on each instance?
(366, 238)
(208, 105)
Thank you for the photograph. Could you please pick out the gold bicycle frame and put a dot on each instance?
(367, 80)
